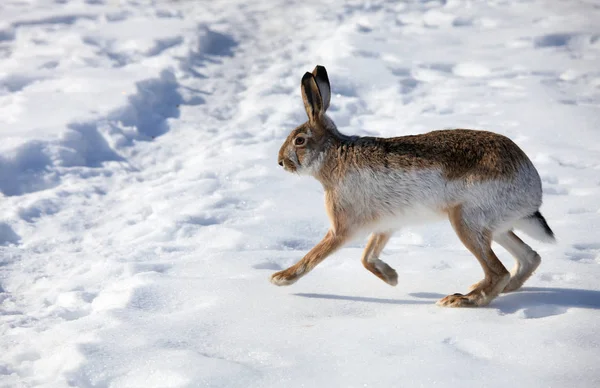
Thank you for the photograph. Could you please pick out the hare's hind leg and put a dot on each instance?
(527, 259)
(371, 261)
(478, 241)
(330, 243)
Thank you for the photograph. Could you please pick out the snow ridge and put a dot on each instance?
(142, 209)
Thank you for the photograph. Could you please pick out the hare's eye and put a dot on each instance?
(299, 141)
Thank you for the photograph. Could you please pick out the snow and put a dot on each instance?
(142, 210)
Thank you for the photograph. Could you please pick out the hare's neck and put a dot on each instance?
(336, 160)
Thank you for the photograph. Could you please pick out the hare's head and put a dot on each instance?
(303, 150)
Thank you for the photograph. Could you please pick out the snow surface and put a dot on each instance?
(142, 209)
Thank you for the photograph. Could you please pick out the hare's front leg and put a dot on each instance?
(330, 243)
(372, 262)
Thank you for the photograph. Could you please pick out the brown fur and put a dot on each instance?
(329, 244)
(460, 153)
(479, 243)
(370, 257)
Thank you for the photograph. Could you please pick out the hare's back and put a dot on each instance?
(460, 153)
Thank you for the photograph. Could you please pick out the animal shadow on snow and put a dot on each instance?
(537, 302)
(548, 298)
(360, 299)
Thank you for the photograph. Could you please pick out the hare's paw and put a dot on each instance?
(483, 293)
(386, 273)
(457, 300)
(382, 271)
(284, 278)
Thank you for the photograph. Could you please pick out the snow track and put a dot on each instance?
(142, 209)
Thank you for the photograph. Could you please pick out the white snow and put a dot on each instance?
(142, 209)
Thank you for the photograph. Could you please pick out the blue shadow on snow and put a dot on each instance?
(361, 299)
(507, 303)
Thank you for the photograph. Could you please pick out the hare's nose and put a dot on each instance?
(280, 161)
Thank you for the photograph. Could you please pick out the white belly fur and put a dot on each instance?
(401, 198)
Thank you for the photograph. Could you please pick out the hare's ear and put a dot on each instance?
(313, 103)
(323, 83)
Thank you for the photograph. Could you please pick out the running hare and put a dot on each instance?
(483, 182)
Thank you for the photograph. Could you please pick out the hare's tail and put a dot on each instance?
(536, 226)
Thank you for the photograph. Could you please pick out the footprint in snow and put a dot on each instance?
(565, 40)
(268, 265)
(363, 28)
(8, 236)
(579, 210)
(366, 54)
(16, 82)
(150, 267)
(55, 20)
(556, 191)
(469, 347)
(73, 305)
(588, 253)
(551, 277)
(161, 45)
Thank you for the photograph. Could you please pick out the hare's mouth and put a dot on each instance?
(289, 166)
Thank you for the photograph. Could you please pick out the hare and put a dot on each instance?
(481, 181)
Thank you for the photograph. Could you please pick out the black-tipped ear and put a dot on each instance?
(313, 103)
(322, 79)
